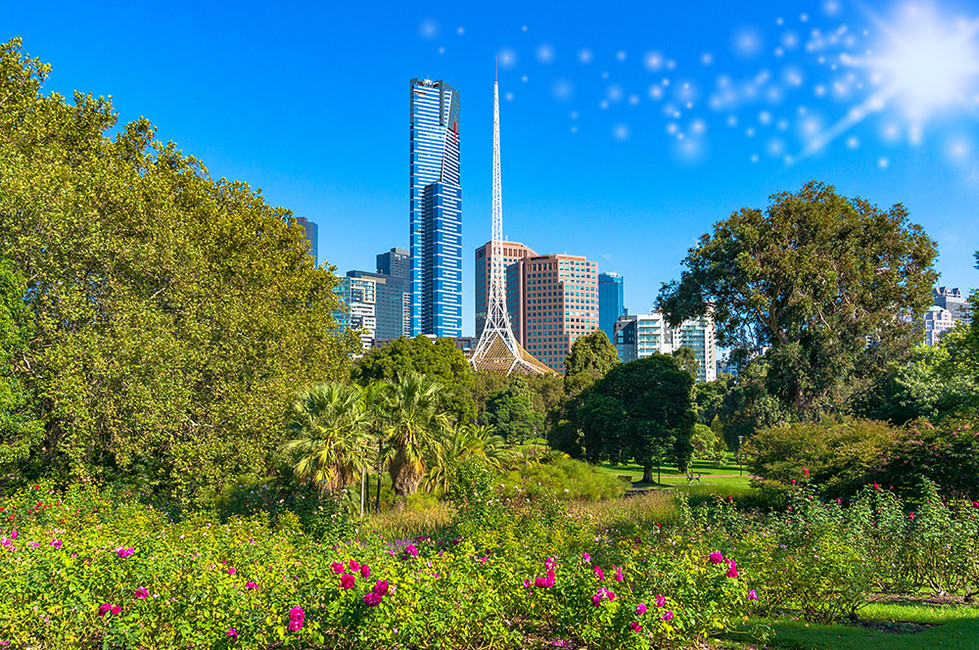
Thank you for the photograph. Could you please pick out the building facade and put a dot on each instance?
(937, 321)
(953, 301)
(611, 302)
(394, 296)
(556, 300)
(360, 297)
(638, 336)
(513, 252)
(435, 231)
(312, 236)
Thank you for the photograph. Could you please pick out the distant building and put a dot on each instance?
(512, 253)
(462, 343)
(360, 297)
(937, 321)
(953, 301)
(557, 302)
(611, 303)
(394, 297)
(312, 236)
(639, 336)
(435, 209)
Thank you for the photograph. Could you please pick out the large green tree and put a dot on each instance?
(173, 314)
(510, 412)
(591, 356)
(830, 285)
(640, 411)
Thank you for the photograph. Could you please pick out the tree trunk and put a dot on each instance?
(647, 473)
(377, 502)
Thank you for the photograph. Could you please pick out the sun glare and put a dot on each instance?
(927, 65)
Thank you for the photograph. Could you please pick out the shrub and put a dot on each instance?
(563, 478)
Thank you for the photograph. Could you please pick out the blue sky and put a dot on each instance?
(628, 129)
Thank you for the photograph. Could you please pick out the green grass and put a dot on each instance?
(962, 634)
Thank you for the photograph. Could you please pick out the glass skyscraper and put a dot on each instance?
(436, 210)
(610, 302)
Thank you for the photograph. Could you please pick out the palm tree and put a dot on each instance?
(415, 423)
(464, 441)
(328, 441)
(372, 402)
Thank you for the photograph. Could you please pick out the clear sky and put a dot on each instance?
(628, 128)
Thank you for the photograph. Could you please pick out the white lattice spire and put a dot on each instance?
(498, 348)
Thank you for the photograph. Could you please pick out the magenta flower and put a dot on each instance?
(337, 567)
(142, 592)
(347, 581)
(641, 609)
(411, 550)
(231, 570)
(716, 557)
(116, 609)
(233, 633)
(296, 616)
(732, 569)
(805, 472)
(599, 573)
(251, 585)
(618, 574)
(125, 552)
(549, 580)
(911, 516)
(104, 609)
(13, 534)
(56, 543)
(660, 600)
(539, 582)
(634, 626)
(596, 600)
(586, 557)
(381, 587)
(354, 565)
(365, 571)
(373, 599)
(526, 584)
(667, 616)
(752, 595)
(550, 562)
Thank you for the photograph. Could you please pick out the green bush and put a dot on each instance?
(563, 478)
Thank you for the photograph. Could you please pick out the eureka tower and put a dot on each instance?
(435, 210)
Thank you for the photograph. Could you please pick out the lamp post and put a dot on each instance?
(740, 469)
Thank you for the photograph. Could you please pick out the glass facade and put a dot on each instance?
(610, 302)
(435, 210)
(394, 297)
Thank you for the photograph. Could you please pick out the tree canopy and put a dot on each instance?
(591, 356)
(830, 285)
(172, 314)
(511, 414)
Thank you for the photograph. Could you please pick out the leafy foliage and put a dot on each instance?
(19, 428)
(511, 414)
(172, 313)
(814, 277)
(591, 357)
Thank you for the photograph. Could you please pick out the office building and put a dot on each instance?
(611, 303)
(394, 296)
(312, 236)
(513, 252)
(359, 294)
(640, 335)
(435, 210)
(937, 321)
(953, 301)
(557, 298)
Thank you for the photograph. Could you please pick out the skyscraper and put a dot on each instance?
(512, 252)
(394, 297)
(435, 210)
(312, 236)
(639, 336)
(610, 302)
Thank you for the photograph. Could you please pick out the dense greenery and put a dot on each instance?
(169, 315)
(510, 412)
(813, 278)
(590, 358)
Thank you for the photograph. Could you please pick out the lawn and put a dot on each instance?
(726, 475)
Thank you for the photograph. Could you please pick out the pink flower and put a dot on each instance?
(13, 534)
(381, 587)
(104, 609)
(618, 574)
(599, 573)
(752, 595)
(411, 550)
(634, 626)
(347, 581)
(667, 616)
(365, 571)
(660, 600)
(56, 543)
(526, 583)
(233, 633)
(596, 600)
(251, 585)
(231, 570)
(116, 609)
(142, 592)
(876, 486)
(732, 569)
(337, 567)
(641, 609)
(586, 557)
(296, 616)
(911, 516)
(354, 565)
(125, 552)
(805, 472)
(373, 599)
(549, 580)
(550, 562)
(792, 481)
(716, 557)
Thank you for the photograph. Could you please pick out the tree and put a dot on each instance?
(831, 284)
(466, 442)
(707, 444)
(591, 356)
(173, 314)
(329, 442)
(748, 406)
(642, 411)
(688, 360)
(439, 360)
(415, 424)
(19, 428)
(963, 349)
(511, 414)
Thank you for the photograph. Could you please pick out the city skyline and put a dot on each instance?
(634, 130)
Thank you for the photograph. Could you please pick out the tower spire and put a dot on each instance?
(498, 348)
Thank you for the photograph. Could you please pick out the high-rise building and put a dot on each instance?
(937, 321)
(360, 296)
(435, 210)
(394, 297)
(610, 302)
(512, 253)
(953, 301)
(558, 303)
(639, 336)
(312, 236)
